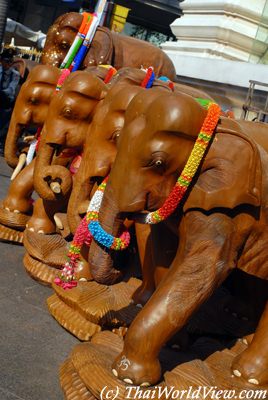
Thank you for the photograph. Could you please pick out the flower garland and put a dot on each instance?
(99, 234)
(67, 278)
(84, 235)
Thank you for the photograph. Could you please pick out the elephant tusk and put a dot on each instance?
(58, 222)
(28, 138)
(253, 381)
(237, 373)
(20, 165)
(55, 187)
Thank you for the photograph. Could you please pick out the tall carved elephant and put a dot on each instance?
(107, 48)
(221, 224)
(30, 111)
(66, 124)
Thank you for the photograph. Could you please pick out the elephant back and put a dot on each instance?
(132, 52)
(101, 49)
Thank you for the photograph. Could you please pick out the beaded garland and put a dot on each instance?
(83, 235)
(99, 234)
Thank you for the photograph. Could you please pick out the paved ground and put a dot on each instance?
(32, 344)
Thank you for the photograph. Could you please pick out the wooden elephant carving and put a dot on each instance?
(63, 137)
(107, 48)
(30, 111)
(221, 224)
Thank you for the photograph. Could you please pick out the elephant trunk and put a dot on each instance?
(11, 146)
(78, 203)
(50, 181)
(100, 259)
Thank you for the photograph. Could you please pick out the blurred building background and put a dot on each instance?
(144, 17)
(220, 46)
(216, 45)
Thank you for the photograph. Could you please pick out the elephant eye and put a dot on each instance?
(158, 164)
(64, 45)
(33, 100)
(115, 136)
(67, 113)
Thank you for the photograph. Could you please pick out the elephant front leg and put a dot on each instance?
(42, 220)
(204, 259)
(144, 292)
(252, 364)
(18, 199)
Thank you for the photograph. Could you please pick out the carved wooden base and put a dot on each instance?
(39, 271)
(49, 249)
(72, 385)
(45, 255)
(88, 307)
(10, 235)
(88, 372)
(13, 220)
(70, 319)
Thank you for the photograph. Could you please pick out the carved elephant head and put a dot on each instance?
(31, 106)
(69, 116)
(106, 48)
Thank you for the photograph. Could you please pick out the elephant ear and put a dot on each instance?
(231, 173)
(101, 48)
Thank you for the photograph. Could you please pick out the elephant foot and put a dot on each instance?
(62, 224)
(10, 235)
(82, 271)
(88, 372)
(89, 369)
(135, 370)
(252, 364)
(14, 219)
(90, 304)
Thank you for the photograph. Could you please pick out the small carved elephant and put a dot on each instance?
(107, 48)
